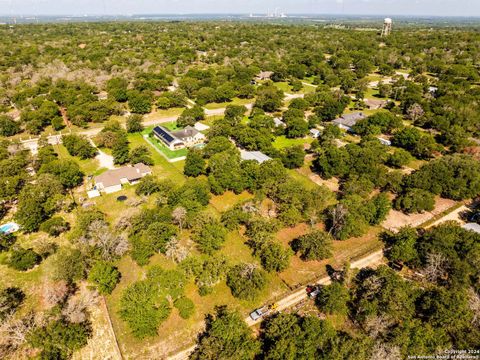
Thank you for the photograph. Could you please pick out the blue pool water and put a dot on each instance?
(8, 228)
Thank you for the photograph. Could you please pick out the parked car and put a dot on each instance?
(313, 291)
(261, 312)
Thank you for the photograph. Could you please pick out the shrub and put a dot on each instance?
(54, 226)
(185, 307)
(314, 246)
(415, 201)
(10, 299)
(23, 259)
(246, 281)
(105, 276)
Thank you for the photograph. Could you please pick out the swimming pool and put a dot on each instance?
(9, 228)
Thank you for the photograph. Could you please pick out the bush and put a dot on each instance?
(60, 339)
(69, 265)
(105, 276)
(79, 146)
(333, 299)
(134, 123)
(185, 307)
(10, 299)
(415, 201)
(142, 309)
(54, 226)
(23, 259)
(246, 281)
(6, 241)
(314, 246)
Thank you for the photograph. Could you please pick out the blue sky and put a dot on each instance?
(127, 7)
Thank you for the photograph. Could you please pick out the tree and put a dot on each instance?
(117, 89)
(60, 339)
(55, 226)
(147, 185)
(69, 265)
(274, 257)
(293, 157)
(66, 171)
(10, 300)
(121, 152)
(269, 98)
(134, 123)
(226, 337)
(105, 276)
(8, 126)
(37, 202)
(399, 158)
(194, 163)
(296, 124)
(210, 236)
(79, 146)
(333, 299)
(190, 116)
(316, 245)
(139, 103)
(141, 154)
(142, 309)
(23, 259)
(246, 281)
(179, 215)
(185, 306)
(415, 201)
(402, 245)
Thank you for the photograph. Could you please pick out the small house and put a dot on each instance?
(112, 180)
(375, 104)
(278, 122)
(385, 141)
(264, 75)
(347, 121)
(315, 133)
(254, 155)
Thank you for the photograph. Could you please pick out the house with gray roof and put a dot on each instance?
(112, 180)
(472, 227)
(347, 121)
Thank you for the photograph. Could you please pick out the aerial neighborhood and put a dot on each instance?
(239, 187)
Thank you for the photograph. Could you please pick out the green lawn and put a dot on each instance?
(88, 166)
(235, 101)
(282, 142)
(284, 86)
(162, 168)
(170, 126)
(164, 113)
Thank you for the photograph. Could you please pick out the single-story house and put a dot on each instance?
(179, 139)
(278, 122)
(264, 75)
(375, 104)
(111, 181)
(347, 121)
(472, 227)
(315, 133)
(254, 155)
(385, 141)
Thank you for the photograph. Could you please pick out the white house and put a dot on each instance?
(111, 181)
(179, 139)
(315, 133)
(254, 155)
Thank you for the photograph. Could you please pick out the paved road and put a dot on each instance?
(373, 259)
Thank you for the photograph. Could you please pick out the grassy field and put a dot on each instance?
(88, 166)
(162, 167)
(235, 101)
(283, 142)
(163, 113)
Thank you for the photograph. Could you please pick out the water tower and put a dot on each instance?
(387, 27)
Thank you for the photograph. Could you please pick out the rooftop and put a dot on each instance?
(254, 155)
(188, 132)
(114, 177)
(349, 119)
(472, 227)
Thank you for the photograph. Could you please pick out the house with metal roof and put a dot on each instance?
(472, 227)
(254, 155)
(179, 139)
(112, 180)
(347, 121)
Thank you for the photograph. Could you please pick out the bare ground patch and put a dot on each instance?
(397, 219)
